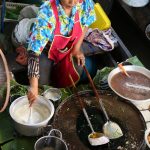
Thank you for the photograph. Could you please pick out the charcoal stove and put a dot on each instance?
(70, 120)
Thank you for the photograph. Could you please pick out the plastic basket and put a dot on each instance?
(15, 9)
(102, 21)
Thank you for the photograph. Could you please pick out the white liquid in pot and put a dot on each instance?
(34, 115)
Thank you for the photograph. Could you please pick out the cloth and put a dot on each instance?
(103, 39)
(22, 31)
(60, 51)
(43, 30)
(30, 11)
(22, 57)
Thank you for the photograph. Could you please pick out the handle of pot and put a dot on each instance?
(42, 129)
(58, 133)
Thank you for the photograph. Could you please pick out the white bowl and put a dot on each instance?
(147, 132)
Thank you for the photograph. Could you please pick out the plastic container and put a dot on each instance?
(102, 21)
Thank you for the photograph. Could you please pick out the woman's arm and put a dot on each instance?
(33, 75)
(76, 52)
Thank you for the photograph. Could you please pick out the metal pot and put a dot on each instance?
(136, 3)
(70, 120)
(33, 128)
(51, 142)
(138, 69)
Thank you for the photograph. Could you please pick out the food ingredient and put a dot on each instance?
(39, 113)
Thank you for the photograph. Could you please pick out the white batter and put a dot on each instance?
(31, 115)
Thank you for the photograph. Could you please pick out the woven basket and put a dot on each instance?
(4, 82)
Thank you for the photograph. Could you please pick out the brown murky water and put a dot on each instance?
(136, 87)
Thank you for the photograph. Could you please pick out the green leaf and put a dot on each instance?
(135, 61)
(20, 143)
(6, 127)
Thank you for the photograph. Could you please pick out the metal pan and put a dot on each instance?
(134, 68)
(70, 120)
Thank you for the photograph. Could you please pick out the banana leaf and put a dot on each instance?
(6, 127)
(20, 143)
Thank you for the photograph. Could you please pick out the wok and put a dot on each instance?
(134, 68)
(70, 120)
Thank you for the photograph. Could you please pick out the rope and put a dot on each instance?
(8, 81)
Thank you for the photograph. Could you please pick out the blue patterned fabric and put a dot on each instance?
(43, 29)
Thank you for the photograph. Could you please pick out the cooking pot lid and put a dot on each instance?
(70, 121)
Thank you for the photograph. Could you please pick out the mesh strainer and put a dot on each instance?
(4, 82)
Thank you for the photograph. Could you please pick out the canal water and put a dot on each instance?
(130, 34)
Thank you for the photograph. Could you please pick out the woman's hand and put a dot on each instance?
(32, 95)
(80, 57)
(33, 90)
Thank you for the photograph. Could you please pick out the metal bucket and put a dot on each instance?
(32, 129)
(70, 120)
(51, 142)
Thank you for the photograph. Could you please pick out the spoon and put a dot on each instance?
(110, 128)
(123, 69)
(94, 138)
(30, 114)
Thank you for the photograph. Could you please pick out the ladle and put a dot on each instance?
(94, 138)
(30, 114)
(111, 129)
(123, 69)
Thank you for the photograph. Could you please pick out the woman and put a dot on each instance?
(59, 30)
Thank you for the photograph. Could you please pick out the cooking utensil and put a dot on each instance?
(51, 142)
(110, 129)
(94, 138)
(75, 129)
(123, 69)
(34, 127)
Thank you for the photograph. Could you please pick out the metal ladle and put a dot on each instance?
(110, 129)
(94, 138)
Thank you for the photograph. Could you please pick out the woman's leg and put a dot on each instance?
(45, 69)
(91, 65)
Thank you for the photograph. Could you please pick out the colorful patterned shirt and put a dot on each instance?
(43, 29)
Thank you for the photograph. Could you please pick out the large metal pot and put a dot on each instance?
(138, 69)
(31, 128)
(69, 119)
